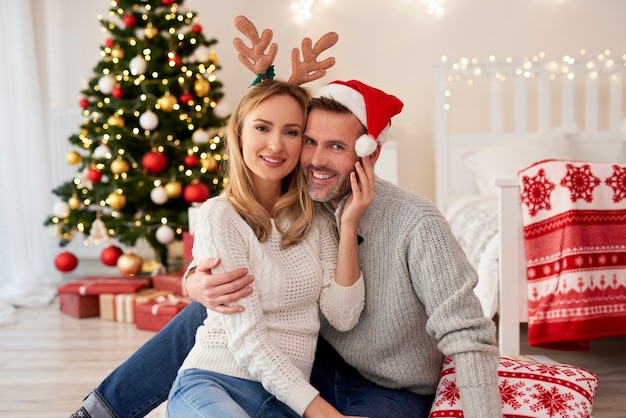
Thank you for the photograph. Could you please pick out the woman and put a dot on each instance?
(261, 358)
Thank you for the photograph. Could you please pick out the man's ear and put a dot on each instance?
(374, 156)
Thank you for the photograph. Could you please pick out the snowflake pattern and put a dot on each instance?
(580, 182)
(536, 192)
(511, 393)
(448, 393)
(527, 389)
(617, 182)
(553, 401)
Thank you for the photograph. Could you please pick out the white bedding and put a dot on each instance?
(474, 222)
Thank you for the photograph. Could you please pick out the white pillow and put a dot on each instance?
(503, 161)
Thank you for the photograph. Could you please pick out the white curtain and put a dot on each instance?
(27, 249)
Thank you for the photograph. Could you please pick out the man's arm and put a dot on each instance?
(218, 291)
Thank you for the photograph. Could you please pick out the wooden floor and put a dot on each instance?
(49, 361)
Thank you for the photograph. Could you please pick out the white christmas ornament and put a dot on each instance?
(158, 195)
(149, 120)
(106, 84)
(61, 209)
(222, 110)
(101, 152)
(202, 54)
(200, 137)
(138, 65)
(165, 234)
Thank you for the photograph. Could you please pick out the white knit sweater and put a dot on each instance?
(273, 340)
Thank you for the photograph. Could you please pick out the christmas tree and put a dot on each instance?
(151, 143)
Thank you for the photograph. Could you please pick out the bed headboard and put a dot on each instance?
(483, 103)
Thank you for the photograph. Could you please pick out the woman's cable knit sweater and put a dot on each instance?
(273, 340)
(419, 305)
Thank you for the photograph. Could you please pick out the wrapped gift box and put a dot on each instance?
(79, 306)
(121, 307)
(117, 307)
(155, 314)
(187, 247)
(95, 285)
(169, 281)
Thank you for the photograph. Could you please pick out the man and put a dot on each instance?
(419, 307)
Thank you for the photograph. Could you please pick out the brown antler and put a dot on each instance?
(254, 58)
(309, 69)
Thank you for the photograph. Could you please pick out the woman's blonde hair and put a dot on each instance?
(294, 208)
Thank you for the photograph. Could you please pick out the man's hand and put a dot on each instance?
(217, 291)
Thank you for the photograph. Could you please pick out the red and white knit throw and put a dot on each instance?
(574, 217)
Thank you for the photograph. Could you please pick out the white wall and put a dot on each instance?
(392, 44)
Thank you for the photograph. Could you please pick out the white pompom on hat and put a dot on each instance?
(373, 108)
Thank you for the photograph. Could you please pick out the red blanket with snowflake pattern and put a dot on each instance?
(574, 217)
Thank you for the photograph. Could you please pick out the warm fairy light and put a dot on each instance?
(568, 66)
(435, 7)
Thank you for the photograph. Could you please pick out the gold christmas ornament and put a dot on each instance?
(73, 158)
(116, 201)
(117, 52)
(174, 189)
(209, 163)
(167, 102)
(116, 120)
(129, 264)
(213, 57)
(202, 87)
(119, 166)
(74, 202)
(150, 31)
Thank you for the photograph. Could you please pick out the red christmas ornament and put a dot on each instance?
(196, 28)
(117, 92)
(129, 20)
(185, 98)
(173, 60)
(110, 255)
(65, 262)
(167, 2)
(94, 175)
(109, 42)
(191, 161)
(196, 192)
(84, 103)
(154, 162)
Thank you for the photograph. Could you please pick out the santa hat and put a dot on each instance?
(373, 108)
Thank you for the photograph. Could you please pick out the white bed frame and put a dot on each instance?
(542, 95)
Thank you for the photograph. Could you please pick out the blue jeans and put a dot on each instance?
(342, 386)
(203, 394)
(143, 381)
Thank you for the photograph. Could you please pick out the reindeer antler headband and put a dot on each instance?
(261, 63)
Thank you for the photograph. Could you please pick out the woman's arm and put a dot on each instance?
(342, 300)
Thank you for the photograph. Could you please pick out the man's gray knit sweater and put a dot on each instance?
(419, 305)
